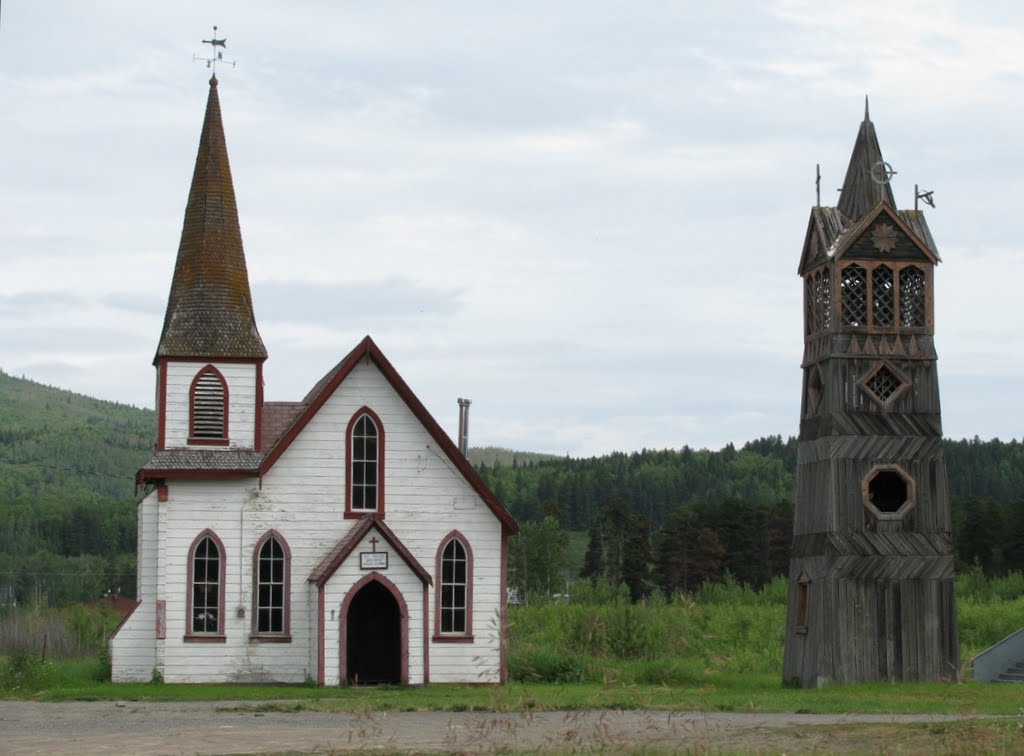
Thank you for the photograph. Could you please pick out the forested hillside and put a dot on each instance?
(67, 504)
(67, 509)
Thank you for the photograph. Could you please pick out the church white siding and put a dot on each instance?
(133, 648)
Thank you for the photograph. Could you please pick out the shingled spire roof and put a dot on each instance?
(861, 192)
(209, 310)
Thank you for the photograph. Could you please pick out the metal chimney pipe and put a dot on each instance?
(464, 426)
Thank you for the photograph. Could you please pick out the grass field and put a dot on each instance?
(717, 650)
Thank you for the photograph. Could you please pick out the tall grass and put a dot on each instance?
(722, 629)
(71, 632)
(601, 637)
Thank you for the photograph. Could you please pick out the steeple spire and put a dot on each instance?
(209, 310)
(867, 182)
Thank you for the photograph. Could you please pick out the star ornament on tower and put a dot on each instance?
(884, 237)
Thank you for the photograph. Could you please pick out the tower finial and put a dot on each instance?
(867, 116)
(216, 56)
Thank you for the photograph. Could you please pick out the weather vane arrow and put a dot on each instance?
(217, 56)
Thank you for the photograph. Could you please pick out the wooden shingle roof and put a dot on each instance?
(830, 230)
(209, 310)
(861, 191)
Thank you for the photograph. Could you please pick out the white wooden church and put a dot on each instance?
(343, 538)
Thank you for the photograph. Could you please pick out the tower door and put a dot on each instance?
(373, 639)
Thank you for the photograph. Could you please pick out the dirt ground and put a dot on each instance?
(231, 728)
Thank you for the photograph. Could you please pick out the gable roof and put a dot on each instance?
(832, 230)
(209, 309)
(326, 386)
(336, 556)
(857, 230)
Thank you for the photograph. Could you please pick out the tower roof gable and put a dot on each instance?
(209, 310)
(862, 187)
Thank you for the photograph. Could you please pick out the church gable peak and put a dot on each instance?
(209, 310)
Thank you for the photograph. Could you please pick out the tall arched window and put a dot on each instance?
(205, 602)
(208, 408)
(454, 609)
(364, 489)
(271, 587)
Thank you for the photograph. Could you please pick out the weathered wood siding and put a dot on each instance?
(241, 381)
(880, 590)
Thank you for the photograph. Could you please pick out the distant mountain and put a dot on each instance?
(57, 443)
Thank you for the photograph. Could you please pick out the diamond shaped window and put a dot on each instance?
(884, 384)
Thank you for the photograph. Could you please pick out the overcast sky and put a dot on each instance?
(584, 216)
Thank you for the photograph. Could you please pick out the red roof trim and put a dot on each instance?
(145, 475)
(330, 382)
(330, 564)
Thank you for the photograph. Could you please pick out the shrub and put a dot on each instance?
(25, 673)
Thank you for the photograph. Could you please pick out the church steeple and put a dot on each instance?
(209, 310)
(866, 183)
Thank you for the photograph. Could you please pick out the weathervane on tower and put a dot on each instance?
(217, 55)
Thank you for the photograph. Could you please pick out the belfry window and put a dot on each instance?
(912, 299)
(882, 297)
(818, 293)
(854, 285)
(208, 404)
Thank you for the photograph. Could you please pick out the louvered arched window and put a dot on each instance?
(208, 408)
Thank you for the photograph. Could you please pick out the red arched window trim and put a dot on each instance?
(466, 635)
(193, 437)
(350, 512)
(283, 635)
(191, 635)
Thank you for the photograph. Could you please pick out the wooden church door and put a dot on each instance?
(373, 638)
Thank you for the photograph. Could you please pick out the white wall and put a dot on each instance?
(133, 647)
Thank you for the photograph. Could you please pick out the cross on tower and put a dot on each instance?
(373, 543)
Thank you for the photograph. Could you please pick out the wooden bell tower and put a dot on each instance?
(871, 574)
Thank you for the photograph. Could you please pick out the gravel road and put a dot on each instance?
(225, 727)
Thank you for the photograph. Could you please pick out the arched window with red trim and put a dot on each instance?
(364, 452)
(453, 619)
(205, 601)
(271, 587)
(208, 408)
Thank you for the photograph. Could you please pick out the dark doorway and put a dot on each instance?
(374, 638)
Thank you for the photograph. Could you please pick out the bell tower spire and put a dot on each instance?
(871, 574)
(209, 310)
(867, 177)
(210, 355)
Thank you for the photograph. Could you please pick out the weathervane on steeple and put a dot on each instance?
(218, 55)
